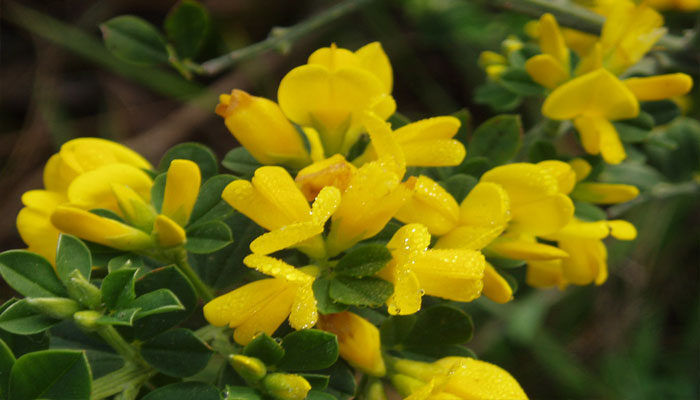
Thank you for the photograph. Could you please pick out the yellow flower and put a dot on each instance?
(358, 340)
(681, 5)
(80, 174)
(263, 305)
(260, 126)
(334, 89)
(273, 201)
(453, 274)
(599, 193)
(333, 171)
(587, 261)
(425, 143)
(551, 68)
(454, 378)
(373, 196)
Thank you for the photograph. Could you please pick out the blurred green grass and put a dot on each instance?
(635, 337)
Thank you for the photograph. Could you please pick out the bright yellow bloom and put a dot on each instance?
(181, 190)
(455, 378)
(263, 305)
(587, 261)
(358, 340)
(334, 89)
(80, 174)
(260, 126)
(273, 201)
(659, 87)
(415, 270)
(373, 196)
(551, 68)
(425, 143)
(599, 193)
(333, 171)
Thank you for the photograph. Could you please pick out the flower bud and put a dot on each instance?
(83, 291)
(286, 386)
(358, 340)
(249, 368)
(54, 307)
(375, 390)
(87, 320)
(168, 233)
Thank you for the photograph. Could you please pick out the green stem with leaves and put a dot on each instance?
(126, 379)
(281, 38)
(121, 346)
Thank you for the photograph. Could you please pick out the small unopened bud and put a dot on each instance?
(406, 384)
(54, 307)
(87, 320)
(286, 386)
(83, 291)
(375, 390)
(249, 368)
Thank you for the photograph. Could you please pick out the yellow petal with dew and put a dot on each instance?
(407, 296)
(277, 186)
(135, 210)
(93, 189)
(277, 268)
(479, 380)
(581, 168)
(430, 205)
(238, 305)
(552, 42)
(373, 59)
(383, 140)
(545, 70)
(267, 319)
(94, 228)
(181, 190)
(659, 87)
(562, 172)
(285, 237)
(487, 204)
(598, 93)
(469, 237)
(333, 171)
(358, 341)
(523, 182)
(544, 216)
(325, 205)
(604, 193)
(453, 274)
(443, 127)
(434, 153)
(87, 154)
(304, 313)
(599, 136)
(525, 250)
(622, 230)
(167, 232)
(496, 288)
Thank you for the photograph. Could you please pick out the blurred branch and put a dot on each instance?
(577, 17)
(281, 38)
(659, 192)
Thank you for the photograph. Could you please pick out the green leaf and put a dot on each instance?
(128, 260)
(588, 211)
(241, 393)
(363, 260)
(369, 291)
(170, 278)
(199, 153)
(474, 166)
(186, 26)
(185, 391)
(71, 254)
(264, 348)
(118, 288)
(208, 237)
(505, 263)
(635, 130)
(541, 150)
(518, 81)
(342, 383)
(497, 97)
(51, 375)
(22, 319)
(317, 381)
(158, 191)
(30, 274)
(308, 350)
(459, 186)
(439, 326)
(135, 40)
(324, 303)
(315, 394)
(7, 360)
(209, 205)
(497, 139)
(122, 317)
(395, 329)
(663, 111)
(240, 162)
(176, 353)
(156, 302)
(640, 175)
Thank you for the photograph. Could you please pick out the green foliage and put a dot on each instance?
(177, 352)
(518, 81)
(21, 318)
(369, 291)
(265, 348)
(30, 274)
(187, 25)
(51, 375)
(497, 139)
(196, 152)
(72, 254)
(240, 162)
(135, 40)
(308, 350)
(208, 237)
(364, 260)
(185, 390)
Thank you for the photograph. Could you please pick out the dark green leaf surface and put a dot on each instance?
(156, 302)
(185, 391)
(241, 393)
(71, 254)
(186, 26)
(30, 274)
(208, 237)
(440, 325)
(7, 360)
(497, 139)
(363, 260)
(209, 205)
(22, 319)
(368, 291)
(199, 153)
(51, 375)
(265, 348)
(240, 162)
(518, 81)
(324, 303)
(308, 350)
(118, 288)
(176, 353)
(135, 40)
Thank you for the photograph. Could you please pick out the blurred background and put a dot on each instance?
(635, 337)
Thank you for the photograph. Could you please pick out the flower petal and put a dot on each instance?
(523, 182)
(453, 274)
(430, 205)
(552, 41)
(604, 193)
(496, 288)
(181, 190)
(278, 187)
(373, 59)
(518, 249)
(304, 313)
(242, 196)
(599, 136)
(277, 268)
(544, 274)
(622, 230)
(267, 319)
(434, 153)
(93, 189)
(544, 216)
(285, 237)
(234, 307)
(659, 87)
(167, 232)
(545, 70)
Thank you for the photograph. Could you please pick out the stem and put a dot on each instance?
(281, 38)
(200, 287)
(117, 342)
(576, 17)
(658, 192)
(129, 377)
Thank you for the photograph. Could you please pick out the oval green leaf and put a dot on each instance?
(30, 274)
(309, 349)
(176, 353)
(135, 40)
(51, 375)
(71, 254)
